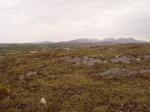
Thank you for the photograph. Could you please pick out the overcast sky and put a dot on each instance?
(58, 20)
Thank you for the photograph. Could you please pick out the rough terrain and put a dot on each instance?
(81, 79)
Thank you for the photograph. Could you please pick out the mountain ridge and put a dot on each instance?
(106, 40)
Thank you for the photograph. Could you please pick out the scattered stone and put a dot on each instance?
(21, 77)
(32, 52)
(116, 56)
(1, 58)
(122, 59)
(23, 107)
(115, 71)
(104, 61)
(67, 49)
(138, 59)
(27, 76)
(146, 57)
(30, 74)
(86, 58)
(132, 72)
(145, 71)
(83, 60)
(124, 72)
(43, 102)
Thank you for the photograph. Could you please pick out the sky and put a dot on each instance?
(61, 20)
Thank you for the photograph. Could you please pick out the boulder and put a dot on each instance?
(123, 59)
(145, 71)
(91, 61)
(146, 57)
(21, 77)
(28, 76)
(83, 60)
(123, 72)
(115, 71)
(138, 59)
(133, 72)
(120, 71)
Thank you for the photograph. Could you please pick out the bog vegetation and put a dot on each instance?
(75, 79)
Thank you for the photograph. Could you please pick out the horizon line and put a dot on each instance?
(61, 41)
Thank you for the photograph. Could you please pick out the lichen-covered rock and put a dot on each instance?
(134, 72)
(28, 76)
(83, 60)
(123, 59)
(138, 59)
(124, 72)
(21, 77)
(146, 57)
(145, 71)
(115, 71)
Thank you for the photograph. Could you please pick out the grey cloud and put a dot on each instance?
(35, 20)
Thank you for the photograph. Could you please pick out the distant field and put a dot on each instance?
(71, 78)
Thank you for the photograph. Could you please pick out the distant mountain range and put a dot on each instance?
(87, 41)
(82, 41)
(104, 41)
(122, 40)
(66, 44)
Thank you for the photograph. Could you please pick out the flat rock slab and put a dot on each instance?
(123, 72)
(83, 60)
(114, 71)
(146, 57)
(123, 59)
(28, 76)
(145, 71)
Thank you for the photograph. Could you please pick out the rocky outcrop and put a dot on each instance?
(145, 71)
(123, 59)
(146, 57)
(28, 76)
(1, 57)
(115, 71)
(83, 60)
(123, 72)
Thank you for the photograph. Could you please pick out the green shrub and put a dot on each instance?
(4, 90)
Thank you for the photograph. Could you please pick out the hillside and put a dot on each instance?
(82, 42)
(112, 78)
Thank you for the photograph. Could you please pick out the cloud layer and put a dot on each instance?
(56, 20)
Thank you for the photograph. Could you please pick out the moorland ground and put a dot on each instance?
(76, 79)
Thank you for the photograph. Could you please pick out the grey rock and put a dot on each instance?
(32, 52)
(1, 57)
(146, 57)
(138, 59)
(67, 49)
(123, 59)
(30, 74)
(145, 71)
(27, 76)
(21, 77)
(115, 71)
(123, 72)
(82, 60)
(133, 72)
